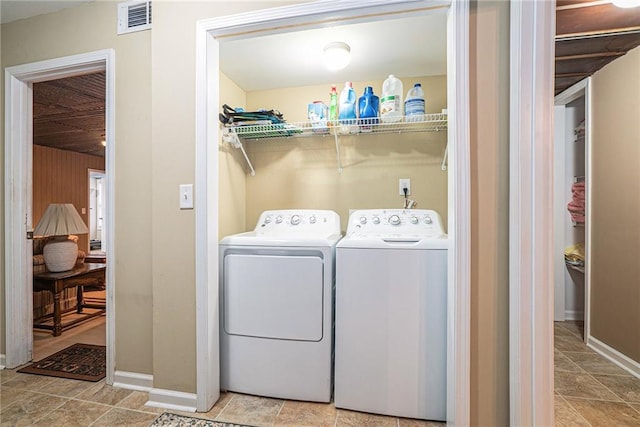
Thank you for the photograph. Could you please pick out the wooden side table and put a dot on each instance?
(79, 276)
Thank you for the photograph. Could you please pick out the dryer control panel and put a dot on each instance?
(395, 222)
(298, 222)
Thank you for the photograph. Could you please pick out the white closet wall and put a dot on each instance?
(570, 166)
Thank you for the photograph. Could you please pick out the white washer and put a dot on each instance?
(276, 306)
(391, 316)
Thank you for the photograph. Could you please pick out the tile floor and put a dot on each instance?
(590, 391)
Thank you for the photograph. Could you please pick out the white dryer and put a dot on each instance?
(276, 306)
(391, 314)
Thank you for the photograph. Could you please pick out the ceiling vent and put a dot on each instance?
(134, 16)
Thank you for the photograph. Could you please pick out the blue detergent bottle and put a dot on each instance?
(368, 108)
(347, 112)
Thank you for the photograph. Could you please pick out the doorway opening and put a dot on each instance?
(97, 214)
(210, 35)
(19, 219)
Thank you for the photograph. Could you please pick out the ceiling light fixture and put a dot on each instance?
(336, 56)
(626, 3)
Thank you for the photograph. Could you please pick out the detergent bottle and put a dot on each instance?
(414, 106)
(391, 101)
(333, 105)
(347, 112)
(368, 108)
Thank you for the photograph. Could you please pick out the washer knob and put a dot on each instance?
(312, 219)
(267, 219)
(427, 219)
(376, 220)
(394, 220)
(295, 220)
(414, 220)
(278, 219)
(363, 220)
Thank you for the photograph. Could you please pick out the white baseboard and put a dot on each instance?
(3, 361)
(133, 381)
(573, 315)
(615, 356)
(169, 399)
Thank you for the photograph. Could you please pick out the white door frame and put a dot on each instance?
(18, 187)
(578, 90)
(208, 133)
(531, 212)
(103, 175)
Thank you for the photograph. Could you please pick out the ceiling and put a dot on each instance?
(69, 113)
(589, 35)
(407, 47)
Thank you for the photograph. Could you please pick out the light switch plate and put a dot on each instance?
(186, 196)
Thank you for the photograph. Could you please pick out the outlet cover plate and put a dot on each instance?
(404, 183)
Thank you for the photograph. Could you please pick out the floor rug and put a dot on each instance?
(79, 362)
(175, 420)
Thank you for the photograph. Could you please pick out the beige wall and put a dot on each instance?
(615, 192)
(489, 81)
(88, 28)
(302, 173)
(231, 173)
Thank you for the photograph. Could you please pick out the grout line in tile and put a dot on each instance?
(280, 409)
(571, 361)
(608, 388)
(575, 411)
(50, 411)
(634, 408)
(593, 398)
(233, 396)
(106, 412)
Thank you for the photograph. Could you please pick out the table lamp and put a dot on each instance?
(59, 221)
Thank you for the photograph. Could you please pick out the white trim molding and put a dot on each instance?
(133, 381)
(292, 18)
(610, 353)
(17, 194)
(459, 220)
(573, 315)
(531, 213)
(170, 399)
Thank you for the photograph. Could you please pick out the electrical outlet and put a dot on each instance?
(405, 183)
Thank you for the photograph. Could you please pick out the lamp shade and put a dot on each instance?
(60, 219)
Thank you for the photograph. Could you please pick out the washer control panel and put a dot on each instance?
(395, 222)
(298, 222)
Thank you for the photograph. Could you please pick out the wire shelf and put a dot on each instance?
(426, 123)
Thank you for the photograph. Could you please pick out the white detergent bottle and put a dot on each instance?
(414, 106)
(391, 100)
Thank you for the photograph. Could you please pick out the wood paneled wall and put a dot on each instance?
(61, 176)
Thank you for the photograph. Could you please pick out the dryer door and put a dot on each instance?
(270, 296)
